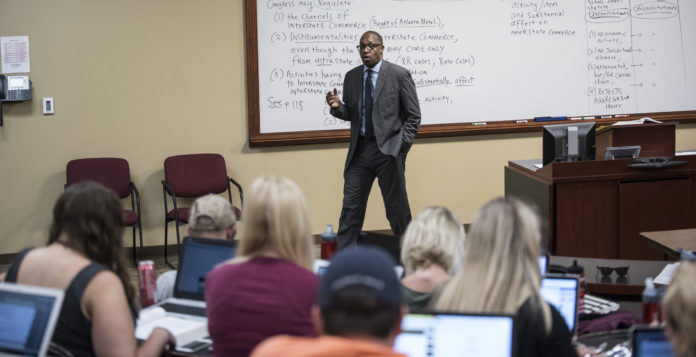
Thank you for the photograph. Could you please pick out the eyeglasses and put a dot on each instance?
(606, 271)
(371, 46)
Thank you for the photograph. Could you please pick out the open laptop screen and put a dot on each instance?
(562, 293)
(27, 318)
(198, 257)
(650, 342)
(448, 334)
(543, 263)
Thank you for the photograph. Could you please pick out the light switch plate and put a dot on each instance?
(48, 105)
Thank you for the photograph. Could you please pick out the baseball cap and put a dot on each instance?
(363, 266)
(211, 213)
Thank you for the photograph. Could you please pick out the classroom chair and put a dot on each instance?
(113, 173)
(192, 176)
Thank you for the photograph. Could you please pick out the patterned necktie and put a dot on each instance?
(369, 130)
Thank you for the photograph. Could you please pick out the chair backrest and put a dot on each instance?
(196, 175)
(111, 172)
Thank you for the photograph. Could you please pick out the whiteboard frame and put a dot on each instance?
(258, 139)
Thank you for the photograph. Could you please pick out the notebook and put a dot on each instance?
(198, 257)
(562, 292)
(28, 316)
(454, 334)
(650, 342)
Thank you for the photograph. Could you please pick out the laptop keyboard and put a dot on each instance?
(183, 309)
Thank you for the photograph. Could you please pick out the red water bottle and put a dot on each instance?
(328, 243)
(651, 303)
(147, 282)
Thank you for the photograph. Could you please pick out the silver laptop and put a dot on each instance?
(28, 316)
(198, 257)
(562, 292)
(455, 334)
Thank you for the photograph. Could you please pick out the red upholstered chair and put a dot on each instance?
(113, 173)
(192, 176)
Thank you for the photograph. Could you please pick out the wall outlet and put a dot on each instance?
(48, 105)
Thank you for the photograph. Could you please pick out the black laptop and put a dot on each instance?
(198, 257)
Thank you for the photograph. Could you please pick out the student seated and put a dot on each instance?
(359, 311)
(432, 245)
(84, 257)
(211, 217)
(679, 310)
(269, 288)
(500, 274)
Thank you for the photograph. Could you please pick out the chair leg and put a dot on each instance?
(140, 232)
(135, 262)
(178, 243)
(166, 225)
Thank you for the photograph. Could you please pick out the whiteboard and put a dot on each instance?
(476, 61)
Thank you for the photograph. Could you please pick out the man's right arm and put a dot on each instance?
(338, 108)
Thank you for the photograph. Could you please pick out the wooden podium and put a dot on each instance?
(597, 209)
(655, 139)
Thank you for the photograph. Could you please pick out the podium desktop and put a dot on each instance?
(568, 142)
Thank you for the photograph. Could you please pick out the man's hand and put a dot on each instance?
(332, 99)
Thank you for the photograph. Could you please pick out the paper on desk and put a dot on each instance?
(637, 121)
(183, 329)
(665, 275)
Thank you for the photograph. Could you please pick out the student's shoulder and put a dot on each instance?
(105, 281)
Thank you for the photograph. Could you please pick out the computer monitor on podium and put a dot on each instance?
(568, 142)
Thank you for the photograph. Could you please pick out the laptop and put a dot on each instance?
(184, 314)
(543, 261)
(650, 342)
(455, 334)
(28, 316)
(198, 257)
(562, 292)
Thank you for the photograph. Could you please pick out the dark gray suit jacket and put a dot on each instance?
(395, 111)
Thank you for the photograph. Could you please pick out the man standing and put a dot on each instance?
(380, 101)
(359, 311)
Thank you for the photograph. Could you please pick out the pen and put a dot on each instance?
(520, 121)
(621, 116)
(479, 123)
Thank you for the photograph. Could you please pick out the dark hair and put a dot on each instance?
(356, 309)
(381, 41)
(89, 214)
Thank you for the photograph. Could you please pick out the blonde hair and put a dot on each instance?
(500, 270)
(679, 305)
(436, 236)
(276, 222)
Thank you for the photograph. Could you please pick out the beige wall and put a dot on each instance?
(144, 80)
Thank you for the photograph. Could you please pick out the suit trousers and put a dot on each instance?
(367, 163)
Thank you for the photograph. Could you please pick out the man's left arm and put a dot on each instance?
(410, 109)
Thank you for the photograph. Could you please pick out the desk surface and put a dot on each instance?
(669, 242)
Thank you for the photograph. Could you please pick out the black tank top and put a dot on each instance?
(73, 330)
